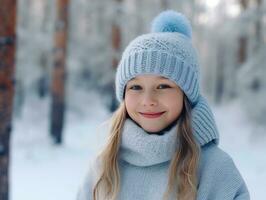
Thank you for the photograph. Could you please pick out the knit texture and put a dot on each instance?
(144, 161)
(169, 54)
(142, 149)
(218, 176)
(203, 123)
(144, 158)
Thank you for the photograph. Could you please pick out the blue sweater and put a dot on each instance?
(144, 161)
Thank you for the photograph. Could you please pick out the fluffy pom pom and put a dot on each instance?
(171, 21)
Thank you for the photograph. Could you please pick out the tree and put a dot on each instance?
(59, 72)
(243, 41)
(7, 66)
(258, 24)
(116, 48)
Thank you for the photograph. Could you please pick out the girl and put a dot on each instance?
(163, 140)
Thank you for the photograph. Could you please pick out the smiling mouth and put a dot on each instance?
(152, 115)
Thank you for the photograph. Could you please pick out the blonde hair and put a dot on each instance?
(183, 167)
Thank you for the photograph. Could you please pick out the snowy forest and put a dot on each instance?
(58, 60)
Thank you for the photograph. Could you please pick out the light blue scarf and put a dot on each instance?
(140, 148)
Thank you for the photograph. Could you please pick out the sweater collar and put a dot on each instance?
(140, 148)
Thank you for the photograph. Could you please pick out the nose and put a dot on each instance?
(149, 99)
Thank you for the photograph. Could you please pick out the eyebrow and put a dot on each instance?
(161, 77)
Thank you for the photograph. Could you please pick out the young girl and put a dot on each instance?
(163, 140)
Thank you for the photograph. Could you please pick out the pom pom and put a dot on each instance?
(171, 21)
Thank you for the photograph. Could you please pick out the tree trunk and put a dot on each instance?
(258, 25)
(164, 4)
(242, 41)
(116, 48)
(7, 66)
(116, 43)
(43, 88)
(219, 91)
(59, 72)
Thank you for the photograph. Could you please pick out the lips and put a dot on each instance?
(152, 114)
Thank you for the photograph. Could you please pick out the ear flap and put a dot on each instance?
(203, 123)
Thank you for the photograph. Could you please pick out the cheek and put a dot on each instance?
(131, 102)
(175, 102)
(179, 107)
(175, 110)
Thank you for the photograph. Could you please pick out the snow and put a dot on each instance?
(40, 170)
(245, 142)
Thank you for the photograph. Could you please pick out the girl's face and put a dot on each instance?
(154, 102)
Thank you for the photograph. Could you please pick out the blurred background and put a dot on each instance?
(62, 85)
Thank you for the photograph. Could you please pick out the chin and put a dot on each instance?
(150, 130)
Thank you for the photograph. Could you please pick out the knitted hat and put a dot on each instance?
(166, 51)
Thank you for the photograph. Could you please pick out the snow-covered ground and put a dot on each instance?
(43, 171)
(246, 143)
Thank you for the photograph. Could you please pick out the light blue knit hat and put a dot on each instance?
(166, 51)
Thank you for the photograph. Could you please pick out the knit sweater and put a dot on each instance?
(144, 161)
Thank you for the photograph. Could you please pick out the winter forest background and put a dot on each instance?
(64, 75)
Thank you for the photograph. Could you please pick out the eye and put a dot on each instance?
(135, 87)
(163, 86)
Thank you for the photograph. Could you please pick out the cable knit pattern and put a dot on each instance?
(164, 54)
(166, 51)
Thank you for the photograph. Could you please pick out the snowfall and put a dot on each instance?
(40, 170)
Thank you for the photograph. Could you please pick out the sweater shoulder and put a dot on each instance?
(219, 177)
(211, 153)
(214, 160)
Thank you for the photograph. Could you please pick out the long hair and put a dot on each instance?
(182, 180)
(183, 167)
